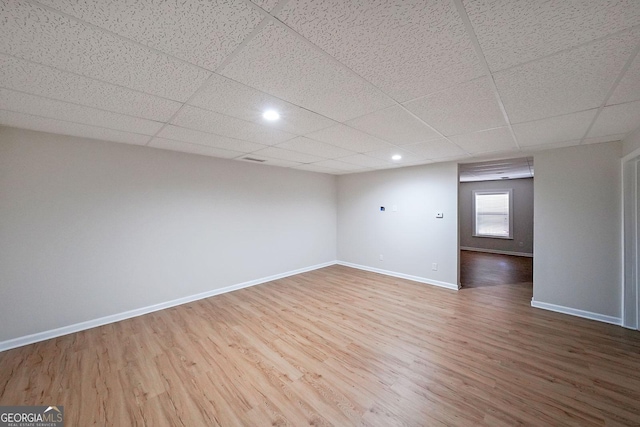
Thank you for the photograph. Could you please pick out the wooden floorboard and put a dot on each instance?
(338, 346)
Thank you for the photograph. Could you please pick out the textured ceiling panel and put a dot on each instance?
(186, 147)
(267, 5)
(229, 97)
(203, 138)
(36, 105)
(349, 139)
(621, 118)
(566, 82)
(498, 139)
(315, 148)
(282, 154)
(435, 149)
(395, 125)
(366, 161)
(45, 81)
(338, 165)
(208, 121)
(555, 129)
(466, 108)
(406, 48)
(387, 153)
(629, 87)
(281, 64)
(315, 168)
(270, 161)
(197, 31)
(40, 35)
(511, 32)
(43, 124)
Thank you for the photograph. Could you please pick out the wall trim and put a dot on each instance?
(418, 279)
(89, 324)
(576, 312)
(496, 251)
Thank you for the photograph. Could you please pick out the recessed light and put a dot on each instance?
(271, 115)
(396, 157)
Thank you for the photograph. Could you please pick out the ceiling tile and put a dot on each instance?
(43, 124)
(629, 87)
(279, 63)
(621, 118)
(604, 138)
(38, 106)
(435, 149)
(270, 161)
(186, 147)
(498, 139)
(196, 31)
(338, 165)
(465, 108)
(314, 168)
(40, 35)
(387, 153)
(208, 121)
(267, 5)
(282, 154)
(567, 82)
(365, 161)
(511, 32)
(349, 139)
(202, 138)
(229, 97)
(315, 148)
(406, 48)
(395, 125)
(45, 81)
(554, 129)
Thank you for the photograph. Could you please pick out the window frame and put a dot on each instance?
(509, 192)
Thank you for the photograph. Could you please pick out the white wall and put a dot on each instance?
(90, 229)
(522, 241)
(631, 143)
(410, 239)
(577, 211)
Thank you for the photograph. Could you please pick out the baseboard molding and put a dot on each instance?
(576, 312)
(65, 330)
(495, 251)
(400, 275)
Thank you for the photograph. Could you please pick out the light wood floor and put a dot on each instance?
(343, 347)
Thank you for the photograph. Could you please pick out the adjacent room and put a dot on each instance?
(298, 212)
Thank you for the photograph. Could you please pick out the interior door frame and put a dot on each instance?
(630, 240)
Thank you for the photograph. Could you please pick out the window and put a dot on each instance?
(492, 214)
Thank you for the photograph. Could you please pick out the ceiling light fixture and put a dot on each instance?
(271, 115)
(396, 157)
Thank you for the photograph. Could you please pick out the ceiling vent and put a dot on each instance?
(252, 159)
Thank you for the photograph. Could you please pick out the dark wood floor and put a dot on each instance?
(479, 269)
(338, 346)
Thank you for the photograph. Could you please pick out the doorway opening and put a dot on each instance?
(496, 223)
(631, 240)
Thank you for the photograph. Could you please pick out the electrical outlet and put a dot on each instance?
(381, 257)
(434, 266)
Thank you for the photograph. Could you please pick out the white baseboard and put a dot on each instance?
(496, 251)
(401, 275)
(576, 312)
(53, 333)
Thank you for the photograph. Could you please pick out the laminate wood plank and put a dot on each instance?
(339, 346)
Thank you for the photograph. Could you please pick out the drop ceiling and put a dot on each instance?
(494, 170)
(355, 82)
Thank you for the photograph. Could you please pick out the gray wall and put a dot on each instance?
(577, 227)
(90, 229)
(522, 241)
(411, 238)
